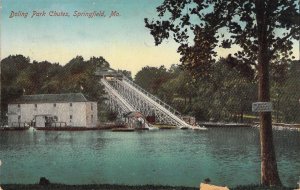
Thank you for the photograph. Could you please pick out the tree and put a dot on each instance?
(19, 76)
(262, 29)
(11, 67)
(126, 74)
(75, 65)
(152, 78)
(181, 87)
(289, 95)
(224, 95)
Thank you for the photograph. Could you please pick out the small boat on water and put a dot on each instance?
(122, 129)
(151, 128)
(167, 127)
(31, 129)
(199, 128)
(184, 128)
(7, 128)
(141, 129)
(68, 128)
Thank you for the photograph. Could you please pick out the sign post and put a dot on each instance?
(262, 107)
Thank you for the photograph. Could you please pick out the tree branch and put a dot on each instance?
(280, 41)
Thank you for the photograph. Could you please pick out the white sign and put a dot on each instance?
(262, 107)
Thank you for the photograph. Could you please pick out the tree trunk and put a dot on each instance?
(269, 173)
(277, 111)
(242, 117)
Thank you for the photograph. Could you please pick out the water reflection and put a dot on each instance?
(176, 157)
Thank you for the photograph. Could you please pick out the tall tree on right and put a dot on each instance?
(262, 31)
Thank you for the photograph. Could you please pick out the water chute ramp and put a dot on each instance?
(125, 96)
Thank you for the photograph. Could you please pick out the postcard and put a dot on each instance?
(151, 94)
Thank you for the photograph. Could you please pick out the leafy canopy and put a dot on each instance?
(203, 26)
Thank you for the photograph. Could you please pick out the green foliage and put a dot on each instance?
(286, 95)
(201, 26)
(226, 94)
(262, 29)
(19, 76)
(152, 78)
(12, 66)
(126, 74)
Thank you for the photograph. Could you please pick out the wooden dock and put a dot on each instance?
(13, 128)
(141, 129)
(122, 129)
(224, 125)
(68, 128)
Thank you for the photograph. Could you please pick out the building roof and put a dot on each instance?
(50, 98)
(108, 72)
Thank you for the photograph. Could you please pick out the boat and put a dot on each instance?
(151, 127)
(68, 128)
(7, 128)
(141, 128)
(184, 128)
(167, 127)
(122, 129)
(199, 128)
(31, 129)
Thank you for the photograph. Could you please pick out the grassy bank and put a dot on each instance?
(122, 187)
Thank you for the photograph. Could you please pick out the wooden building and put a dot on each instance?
(52, 110)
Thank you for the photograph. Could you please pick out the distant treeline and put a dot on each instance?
(224, 93)
(21, 76)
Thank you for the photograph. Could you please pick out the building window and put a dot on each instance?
(71, 104)
(92, 117)
(71, 116)
(35, 105)
(91, 106)
(19, 118)
(54, 105)
(19, 106)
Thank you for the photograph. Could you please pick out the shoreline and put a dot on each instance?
(276, 126)
(123, 187)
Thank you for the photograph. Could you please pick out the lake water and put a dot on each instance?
(166, 157)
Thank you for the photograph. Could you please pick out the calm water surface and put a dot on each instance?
(166, 157)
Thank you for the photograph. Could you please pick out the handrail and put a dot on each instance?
(171, 109)
(118, 88)
(125, 105)
(162, 108)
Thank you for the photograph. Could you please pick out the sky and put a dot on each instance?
(122, 40)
